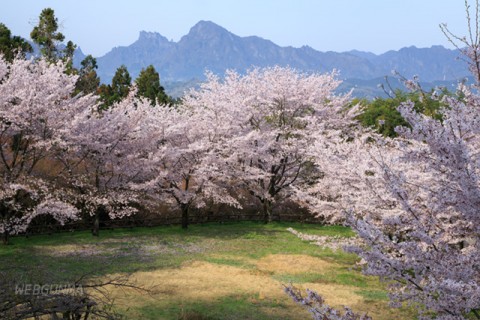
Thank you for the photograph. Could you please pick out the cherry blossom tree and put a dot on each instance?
(107, 153)
(36, 110)
(185, 167)
(349, 165)
(468, 45)
(266, 120)
(414, 201)
(422, 229)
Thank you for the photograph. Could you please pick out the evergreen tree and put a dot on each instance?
(88, 81)
(68, 57)
(46, 34)
(119, 88)
(148, 84)
(121, 82)
(11, 46)
(106, 94)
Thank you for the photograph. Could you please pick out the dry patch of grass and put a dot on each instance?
(293, 264)
(206, 282)
(201, 280)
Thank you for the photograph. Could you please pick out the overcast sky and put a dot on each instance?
(326, 25)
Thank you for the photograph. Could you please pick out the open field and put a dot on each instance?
(211, 271)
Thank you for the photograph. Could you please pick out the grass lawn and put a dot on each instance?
(210, 271)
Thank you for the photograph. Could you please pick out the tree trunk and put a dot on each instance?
(96, 224)
(5, 237)
(184, 208)
(5, 214)
(267, 211)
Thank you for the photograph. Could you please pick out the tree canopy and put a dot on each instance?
(88, 81)
(382, 113)
(119, 88)
(11, 46)
(46, 34)
(148, 86)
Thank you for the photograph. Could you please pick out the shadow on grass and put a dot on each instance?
(230, 307)
(144, 249)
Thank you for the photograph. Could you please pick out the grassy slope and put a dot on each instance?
(211, 271)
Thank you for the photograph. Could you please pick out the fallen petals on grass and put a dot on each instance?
(331, 242)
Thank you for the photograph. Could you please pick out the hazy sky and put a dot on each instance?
(336, 25)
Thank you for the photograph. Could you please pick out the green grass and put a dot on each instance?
(230, 262)
(235, 306)
(334, 277)
(373, 294)
(229, 247)
(300, 278)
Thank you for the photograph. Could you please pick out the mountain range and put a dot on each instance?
(209, 46)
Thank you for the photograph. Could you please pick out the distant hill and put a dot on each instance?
(208, 46)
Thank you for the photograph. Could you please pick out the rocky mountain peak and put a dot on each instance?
(205, 30)
(154, 37)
